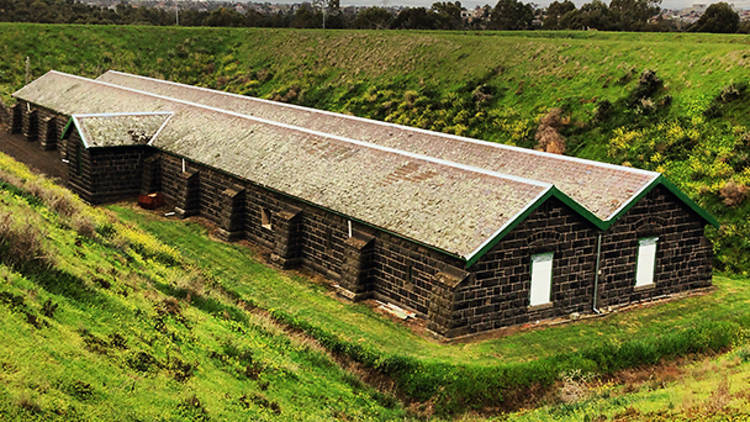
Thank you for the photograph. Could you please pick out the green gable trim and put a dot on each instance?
(710, 219)
(552, 192)
(682, 196)
(67, 129)
(589, 216)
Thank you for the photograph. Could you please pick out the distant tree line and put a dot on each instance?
(619, 15)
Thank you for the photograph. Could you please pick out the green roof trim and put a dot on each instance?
(682, 196)
(67, 128)
(508, 228)
(589, 216)
(710, 219)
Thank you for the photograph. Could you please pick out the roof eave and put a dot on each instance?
(552, 191)
(661, 180)
(588, 215)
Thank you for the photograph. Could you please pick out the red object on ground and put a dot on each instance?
(150, 201)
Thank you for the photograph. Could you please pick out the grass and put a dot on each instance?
(111, 326)
(713, 388)
(239, 270)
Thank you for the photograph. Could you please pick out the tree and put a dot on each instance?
(448, 14)
(719, 17)
(373, 18)
(633, 15)
(555, 12)
(415, 18)
(594, 15)
(511, 14)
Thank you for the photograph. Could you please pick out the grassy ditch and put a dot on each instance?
(489, 375)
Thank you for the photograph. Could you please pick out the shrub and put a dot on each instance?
(733, 194)
(20, 240)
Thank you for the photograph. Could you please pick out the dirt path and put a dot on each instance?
(31, 154)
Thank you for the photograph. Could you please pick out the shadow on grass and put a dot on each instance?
(208, 305)
(61, 283)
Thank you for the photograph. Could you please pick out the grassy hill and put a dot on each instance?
(100, 319)
(690, 119)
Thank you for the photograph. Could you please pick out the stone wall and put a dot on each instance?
(117, 172)
(683, 254)
(370, 262)
(497, 294)
(80, 173)
(39, 124)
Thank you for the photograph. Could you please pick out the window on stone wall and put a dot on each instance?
(541, 279)
(265, 218)
(646, 262)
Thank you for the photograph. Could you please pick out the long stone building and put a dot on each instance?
(471, 235)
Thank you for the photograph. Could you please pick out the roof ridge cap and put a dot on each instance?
(339, 138)
(402, 127)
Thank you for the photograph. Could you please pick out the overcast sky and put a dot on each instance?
(470, 4)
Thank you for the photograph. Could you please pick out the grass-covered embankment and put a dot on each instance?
(101, 321)
(496, 373)
(694, 126)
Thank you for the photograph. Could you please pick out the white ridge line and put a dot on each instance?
(403, 127)
(129, 113)
(324, 135)
(163, 125)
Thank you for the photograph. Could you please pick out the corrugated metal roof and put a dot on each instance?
(603, 189)
(119, 129)
(454, 207)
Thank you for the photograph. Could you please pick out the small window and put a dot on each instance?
(646, 262)
(265, 218)
(541, 279)
(410, 274)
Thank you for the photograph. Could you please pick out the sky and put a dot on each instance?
(470, 4)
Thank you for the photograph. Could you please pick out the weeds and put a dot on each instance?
(193, 410)
(261, 401)
(21, 241)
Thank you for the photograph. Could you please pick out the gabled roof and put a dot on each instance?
(118, 129)
(603, 189)
(441, 191)
(448, 206)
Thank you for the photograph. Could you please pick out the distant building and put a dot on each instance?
(471, 235)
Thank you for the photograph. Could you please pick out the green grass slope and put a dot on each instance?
(100, 321)
(694, 124)
(716, 388)
(450, 378)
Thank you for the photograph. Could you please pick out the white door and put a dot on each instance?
(644, 270)
(541, 278)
